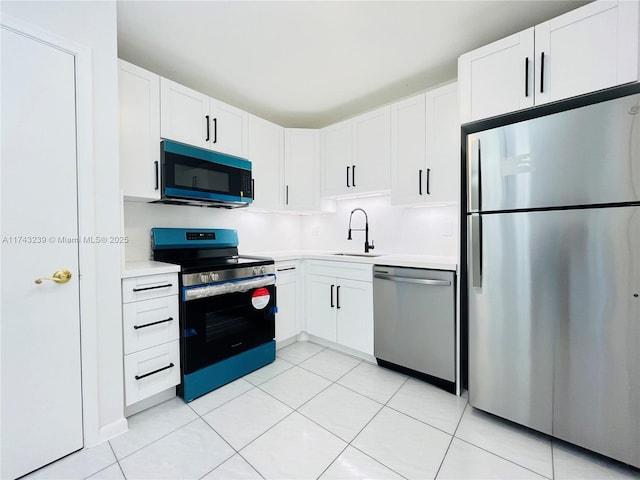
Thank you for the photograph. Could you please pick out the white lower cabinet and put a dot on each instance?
(150, 335)
(340, 304)
(288, 292)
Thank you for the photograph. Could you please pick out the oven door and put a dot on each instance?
(223, 320)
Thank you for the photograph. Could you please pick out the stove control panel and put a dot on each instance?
(191, 279)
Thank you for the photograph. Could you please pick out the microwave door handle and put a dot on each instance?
(157, 166)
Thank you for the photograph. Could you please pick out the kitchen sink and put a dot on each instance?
(358, 254)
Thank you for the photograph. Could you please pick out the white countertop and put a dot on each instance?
(391, 259)
(148, 267)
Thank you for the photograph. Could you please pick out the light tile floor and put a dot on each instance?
(316, 413)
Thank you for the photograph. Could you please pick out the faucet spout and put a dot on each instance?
(367, 246)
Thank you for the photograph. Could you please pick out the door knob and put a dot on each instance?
(61, 276)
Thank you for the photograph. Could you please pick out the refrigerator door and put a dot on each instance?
(554, 327)
(585, 156)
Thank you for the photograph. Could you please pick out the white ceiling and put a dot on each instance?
(312, 63)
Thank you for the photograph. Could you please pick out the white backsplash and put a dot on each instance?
(421, 231)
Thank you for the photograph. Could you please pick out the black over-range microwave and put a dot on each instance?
(194, 176)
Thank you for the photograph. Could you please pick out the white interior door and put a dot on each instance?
(40, 324)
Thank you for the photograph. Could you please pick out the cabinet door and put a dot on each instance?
(372, 151)
(229, 129)
(408, 151)
(321, 315)
(337, 158)
(441, 183)
(139, 122)
(184, 114)
(497, 78)
(587, 49)
(266, 152)
(354, 306)
(286, 324)
(301, 169)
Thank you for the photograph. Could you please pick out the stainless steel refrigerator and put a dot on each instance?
(553, 274)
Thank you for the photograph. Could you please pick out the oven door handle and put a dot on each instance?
(194, 293)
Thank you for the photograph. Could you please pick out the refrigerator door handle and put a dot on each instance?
(474, 194)
(476, 251)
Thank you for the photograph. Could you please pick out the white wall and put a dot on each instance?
(423, 230)
(257, 231)
(93, 25)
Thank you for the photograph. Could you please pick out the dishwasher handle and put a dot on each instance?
(419, 281)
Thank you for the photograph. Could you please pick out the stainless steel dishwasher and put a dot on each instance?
(414, 322)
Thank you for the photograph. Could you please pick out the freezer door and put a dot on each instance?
(554, 327)
(585, 156)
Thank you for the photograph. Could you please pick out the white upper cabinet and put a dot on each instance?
(356, 154)
(139, 126)
(193, 118)
(588, 49)
(372, 151)
(337, 159)
(184, 114)
(266, 151)
(425, 148)
(301, 169)
(497, 78)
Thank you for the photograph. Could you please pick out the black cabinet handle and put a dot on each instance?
(428, 180)
(153, 323)
(138, 377)
(152, 288)
(526, 77)
(420, 182)
(338, 296)
(542, 72)
(208, 133)
(348, 177)
(332, 305)
(215, 130)
(157, 165)
(353, 175)
(286, 195)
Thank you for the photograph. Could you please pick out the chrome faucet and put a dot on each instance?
(367, 247)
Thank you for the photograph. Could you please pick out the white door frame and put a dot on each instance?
(86, 225)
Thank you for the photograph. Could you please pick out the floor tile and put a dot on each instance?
(219, 396)
(353, 464)
(236, 468)
(512, 442)
(341, 411)
(296, 448)
(465, 461)
(299, 351)
(572, 462)
(295, 386)
(78, 465)
(110, 473)
(190, 452)
(405, 445)
(268, 371)
(330, 364)
(152, 424)
(429, 404)
(246, 417)
(372, 381)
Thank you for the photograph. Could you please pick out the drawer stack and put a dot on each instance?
(151, 335)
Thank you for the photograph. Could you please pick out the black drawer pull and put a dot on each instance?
(153, 323)
(138, 377)
(285, 269)
(152, 288)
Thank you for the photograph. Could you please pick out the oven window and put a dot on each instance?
(197, 177)
(220, 327)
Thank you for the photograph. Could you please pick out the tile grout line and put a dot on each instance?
(553, 462)
(117, 461)
(453, 436)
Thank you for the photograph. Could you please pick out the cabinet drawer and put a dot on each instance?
(149, 323)
(150, 368)
(351, 271)
(149, 286)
